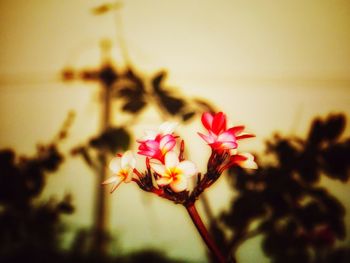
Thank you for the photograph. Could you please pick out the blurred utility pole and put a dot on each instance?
(106, 75)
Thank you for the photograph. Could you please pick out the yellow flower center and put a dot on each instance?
(123, 173)
(173, 173)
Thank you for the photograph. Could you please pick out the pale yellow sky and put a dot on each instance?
(272, 65)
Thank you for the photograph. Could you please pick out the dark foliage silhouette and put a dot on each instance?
(298, 217)
(29, 228)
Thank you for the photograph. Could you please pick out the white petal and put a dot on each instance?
(129, 176)
(187, 168)
(114, 165)
(168, 127)
(150, 135)
(249, 163)
(128, 160)
(179, 185)
(158, 168)
(164, 181)
(111, 179)
(171, 160)
(115, 186)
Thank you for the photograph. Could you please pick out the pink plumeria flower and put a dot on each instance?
(244, 160)
(214, 123)
(173, 172)
(122, 167)
(219, 137)
(157, 148)
(156, 144)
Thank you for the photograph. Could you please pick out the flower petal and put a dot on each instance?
(226, 136)
(149, 135)
(236, 130)
(111, 179)
(114, 165)
(164, 181)
(115, 186)
(245, 136)
(158, 168)
(167, 127)
(179, 185)
(129, 176)
(208, 138)
(207, 120)
(154, 145)
(188, 168)
(171, 159)
(167, 143)
(247, 162)
(128, 160)
(219, 123)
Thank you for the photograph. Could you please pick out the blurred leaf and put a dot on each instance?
(188, 115)
(113, 139)
(134, 106)
(334, 126)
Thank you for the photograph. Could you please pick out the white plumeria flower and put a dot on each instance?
(173, 172)
(122, 168)
(164, 129)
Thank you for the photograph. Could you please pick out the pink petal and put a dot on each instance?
(168, 146)
(209, 139)
(171, 160)
(152, 144)
(226, 136)
(207, 120)
(236, 130)
(245, 136)
(148, 153)
(219, 123)
(220, 146)
(179, 185)
(238, 158)
(167, 143)
(229, 145)
(188, 168)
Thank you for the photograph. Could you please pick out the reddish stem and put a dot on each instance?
(196, 219)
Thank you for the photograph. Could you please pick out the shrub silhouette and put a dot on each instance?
(298, 217)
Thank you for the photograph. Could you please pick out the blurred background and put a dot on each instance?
(80, 80)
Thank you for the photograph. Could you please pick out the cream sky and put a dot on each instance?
(272, 65)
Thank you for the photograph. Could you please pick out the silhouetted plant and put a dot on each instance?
(285, 202)
(135, 95)
(30, 228)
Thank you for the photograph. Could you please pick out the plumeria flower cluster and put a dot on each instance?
(168, 173)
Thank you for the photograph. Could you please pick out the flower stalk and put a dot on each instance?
(208, 240)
